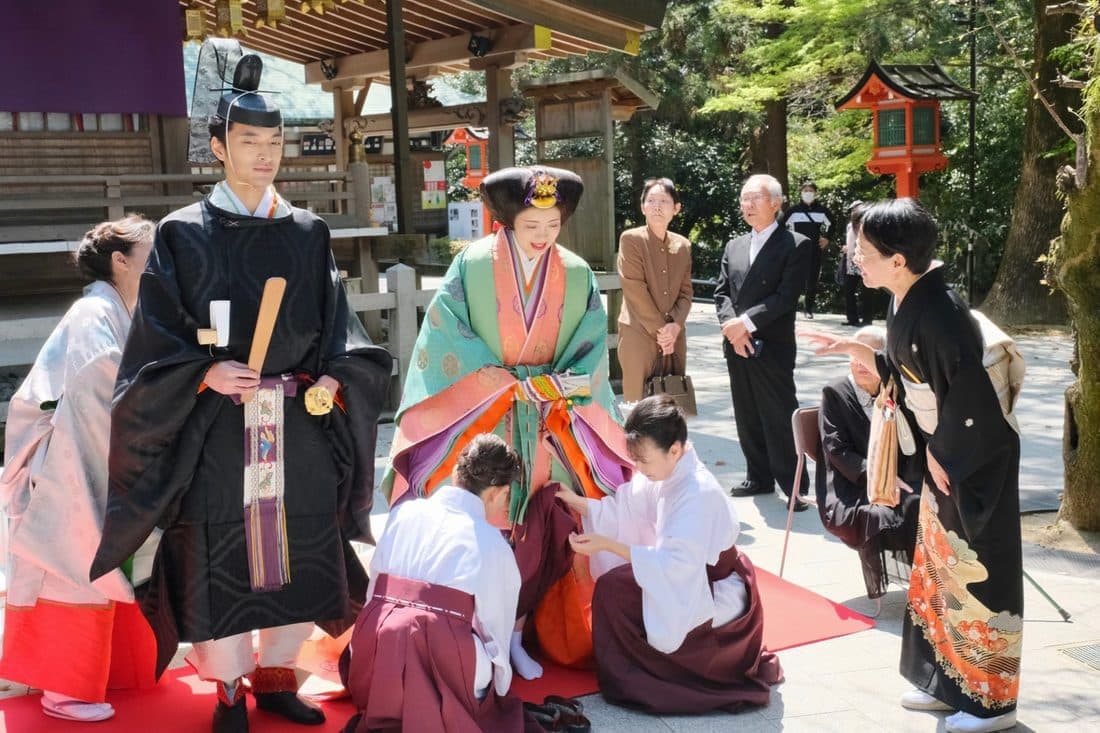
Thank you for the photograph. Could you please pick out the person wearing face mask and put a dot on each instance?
(844, 423)
(812, 220)
(677, 623)
(515, 342)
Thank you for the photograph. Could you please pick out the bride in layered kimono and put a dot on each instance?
(514, 342)
(962, 637)
(72, 638)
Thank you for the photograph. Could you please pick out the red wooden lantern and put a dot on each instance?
(476, 140)
(905, 103)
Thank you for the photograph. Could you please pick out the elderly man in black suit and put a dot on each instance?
(762, 275)
(845, 426)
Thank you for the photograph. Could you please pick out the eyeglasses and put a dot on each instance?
(658, 204)
(751, 198)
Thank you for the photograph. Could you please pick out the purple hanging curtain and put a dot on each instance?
(106, 56)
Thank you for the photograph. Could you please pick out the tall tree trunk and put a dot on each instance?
(768, 144)
(1018, 294)
(1078, 273)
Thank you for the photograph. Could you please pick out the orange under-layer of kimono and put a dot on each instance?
(80, 651)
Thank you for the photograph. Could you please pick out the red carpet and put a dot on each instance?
(182, 703)
(793, 616)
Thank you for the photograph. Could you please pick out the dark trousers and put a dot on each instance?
(859, 301)
(763, 399)
(816, 255)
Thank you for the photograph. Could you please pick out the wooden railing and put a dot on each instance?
(34, 208)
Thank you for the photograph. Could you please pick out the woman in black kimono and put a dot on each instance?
(963, 635)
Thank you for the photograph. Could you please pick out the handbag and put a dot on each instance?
(667, 381)
(882, 449)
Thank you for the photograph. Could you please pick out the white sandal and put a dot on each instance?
(920, 700)
(962, 722)
(77, 710)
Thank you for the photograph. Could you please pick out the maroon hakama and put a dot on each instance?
(724, 668)
(412, 665)
(543, 552)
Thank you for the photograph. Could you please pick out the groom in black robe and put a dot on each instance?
(240, 554)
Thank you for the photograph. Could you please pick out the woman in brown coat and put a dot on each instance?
(655, 271)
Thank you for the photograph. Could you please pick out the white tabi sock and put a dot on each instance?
(525, 667)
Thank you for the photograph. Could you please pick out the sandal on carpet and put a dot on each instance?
(78, 710)
(549, 718)
(571, 711)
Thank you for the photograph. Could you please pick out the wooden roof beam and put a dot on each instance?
(571, 20)
(453, 50)
(422, 120)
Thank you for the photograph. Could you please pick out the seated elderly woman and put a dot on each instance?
(845, 426)
(677, 624)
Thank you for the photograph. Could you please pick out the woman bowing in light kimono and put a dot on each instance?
(515, 342)
(677, 623)
(63, 634)
(962, 637)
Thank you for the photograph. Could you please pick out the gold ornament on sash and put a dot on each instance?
(270, 13)
(544, 191)
(318, 400)
(194, 24)
(228, 18)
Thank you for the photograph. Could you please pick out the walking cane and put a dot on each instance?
(1063, 612)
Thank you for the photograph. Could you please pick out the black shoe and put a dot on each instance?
(854, 324)
(749, 488)
(809, 315)
(290, 706)
(231, 718)
(798, 505)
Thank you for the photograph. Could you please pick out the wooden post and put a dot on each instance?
(359, 173)
(502, 146)
(401, 281)
(114, 191)
(367, 270)
(343, 102)
(402, 162)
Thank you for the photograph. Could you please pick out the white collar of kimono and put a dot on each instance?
(933, 265)
(527, 263)
(461, 500)
(685, 468)
(104, 289)
(223, 197)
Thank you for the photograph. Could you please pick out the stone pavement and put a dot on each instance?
(851, 684)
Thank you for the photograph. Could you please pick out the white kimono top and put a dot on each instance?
(54, 486)
(446, 540)
(674, 528)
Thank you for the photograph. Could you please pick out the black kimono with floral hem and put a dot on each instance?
(962, 638)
